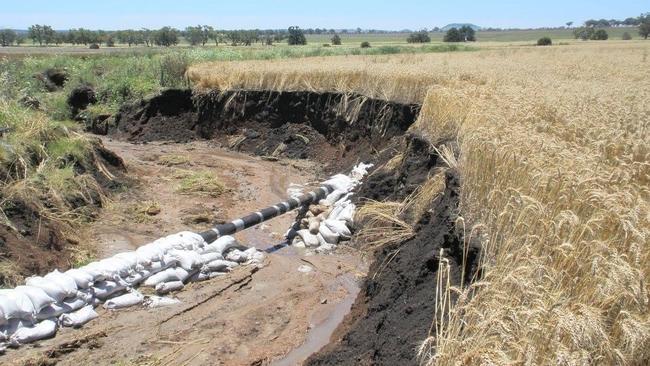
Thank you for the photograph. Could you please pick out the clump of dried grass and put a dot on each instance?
(386, 223)
(203, 183)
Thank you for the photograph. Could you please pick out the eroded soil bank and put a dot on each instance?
(394, 311)
(260, 317)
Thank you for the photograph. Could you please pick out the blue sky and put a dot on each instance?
(375, 14)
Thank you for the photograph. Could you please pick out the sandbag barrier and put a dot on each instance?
(37, 309)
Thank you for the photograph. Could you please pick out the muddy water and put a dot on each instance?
(326, 323)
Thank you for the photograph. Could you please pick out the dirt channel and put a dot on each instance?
(259, 143)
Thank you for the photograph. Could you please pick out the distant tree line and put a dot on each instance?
(593, 29)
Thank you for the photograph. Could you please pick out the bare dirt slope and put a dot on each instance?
(249, 317)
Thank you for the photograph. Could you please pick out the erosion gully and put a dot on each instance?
(298, 308)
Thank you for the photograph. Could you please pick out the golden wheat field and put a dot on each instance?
(553, 151)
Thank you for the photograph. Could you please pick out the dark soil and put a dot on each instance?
(330, 127)
(394, 311)
(80, 98)
(53, 79)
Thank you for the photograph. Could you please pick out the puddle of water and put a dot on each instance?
(320, 334)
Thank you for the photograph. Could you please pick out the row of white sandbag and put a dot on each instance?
(104, 278)
(58, 294)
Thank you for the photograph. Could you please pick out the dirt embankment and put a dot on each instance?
(327, 127)
(36, 238)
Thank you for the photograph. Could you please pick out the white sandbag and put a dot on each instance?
(254, 256)
(168, 275)
(310, 240)
(346, 214)
(8, 308)
(336, 211)
(149, 253)
(360, 170)
(187, 259)
(338, 227)
(326, 248)
(218, 266)
(12, 325)
(38, 297)
(313, 225)
(114, 267)
(52, 311)
(64, 281)
(164, 276)
(16, 305)
(93, 271)
(167, 287)
(297, 242)
(105, 289)
(56, 309)
(321, 240)
(221, 245)
(199, 277)
(191, 241)
(333, 197)
(42, 330)
(127, 300)
(160, 266)
(329, 236)
(136, 278)
(3, 320)
(78, 318)
(341, 182)
(85, 295)
(51, 288)
(131, 258)
(81, 278)
(209, 257)
(237, 255)
(157, 301)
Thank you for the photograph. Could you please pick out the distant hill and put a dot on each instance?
(459, 25)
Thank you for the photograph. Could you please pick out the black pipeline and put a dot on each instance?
(266, 214)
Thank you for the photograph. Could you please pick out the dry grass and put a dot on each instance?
(202, 183)
(554, 164)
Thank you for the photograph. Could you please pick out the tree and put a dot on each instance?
(336, 40)
(467, 33)
(644, 25)
(217, 37)
(453, 35)
(7, 37)
(419, 37)
(584, 33)
(544, 41)
(194, 35)
(365, 44)
(569, 24)
(600, 35)
(296, 36)
(166, 36)
(41, 34)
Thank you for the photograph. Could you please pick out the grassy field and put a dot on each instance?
(554, 158)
